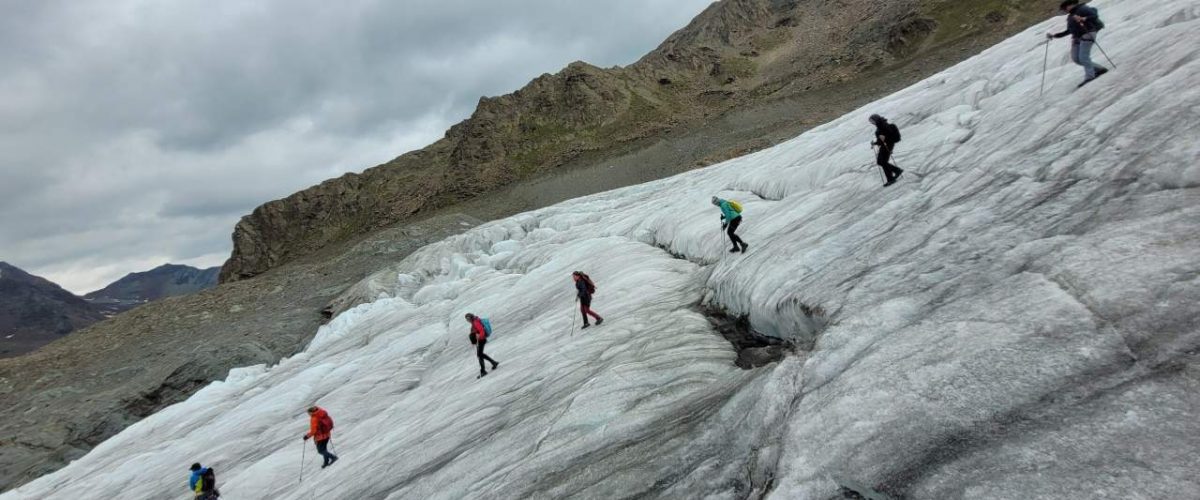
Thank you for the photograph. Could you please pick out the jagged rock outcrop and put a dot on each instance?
(736, 51)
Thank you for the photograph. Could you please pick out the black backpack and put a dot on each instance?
(893, 133)
(587, 282)
(208, 481)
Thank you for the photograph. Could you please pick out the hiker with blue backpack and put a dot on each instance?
(481, 329)
(731, 217)
(203, 483)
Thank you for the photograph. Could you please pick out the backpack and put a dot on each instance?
(326, 422)
(587, 283)
(737, 207)
(893, 133)
(208, 480)
(487, 326)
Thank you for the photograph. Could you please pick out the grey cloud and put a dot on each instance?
(126, 122)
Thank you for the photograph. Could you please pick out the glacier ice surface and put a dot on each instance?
(1017, 318)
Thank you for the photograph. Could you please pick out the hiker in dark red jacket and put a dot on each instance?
(584, 288)
(320, 428)
(478, 337)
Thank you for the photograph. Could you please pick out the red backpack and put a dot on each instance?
(326, 423)
(587, 282)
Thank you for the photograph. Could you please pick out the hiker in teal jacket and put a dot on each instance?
(730, 219)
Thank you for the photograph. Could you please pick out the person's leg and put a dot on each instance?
(483, 357)
(583, 311)
(332, 458)
(1085, 58)
(587, 310)
(896, 171)
(732, 231)
(323, 451)
(881, 159)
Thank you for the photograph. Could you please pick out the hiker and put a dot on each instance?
(886, 137)
(731, 217)
(478, 336)
(1082, 24)
(203, 483)
(320, 429)
(584, 289)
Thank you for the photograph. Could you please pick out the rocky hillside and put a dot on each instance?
(167, 280)
(735, 54)
(35, 311)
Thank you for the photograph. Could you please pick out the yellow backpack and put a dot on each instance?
(737, 207)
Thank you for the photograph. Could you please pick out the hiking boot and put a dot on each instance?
(734, 250)
(601, 320)
(744, 247)
(586, 325)
(481, 375)
(330, 462)
(495, 365)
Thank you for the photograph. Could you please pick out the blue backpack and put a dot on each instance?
(487, 327)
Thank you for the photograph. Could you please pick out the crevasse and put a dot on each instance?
(1017, 318)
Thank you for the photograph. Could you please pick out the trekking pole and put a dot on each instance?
(303, 449)
(1110, 61)
(1045, 60)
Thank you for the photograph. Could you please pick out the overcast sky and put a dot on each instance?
(136, 132)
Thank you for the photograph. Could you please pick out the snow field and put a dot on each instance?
(1019, 317)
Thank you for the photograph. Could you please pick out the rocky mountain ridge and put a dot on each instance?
(734, 53)
(34, 311)
(167, 280)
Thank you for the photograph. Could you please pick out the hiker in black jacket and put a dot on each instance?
(1083, 23)
(886, 137)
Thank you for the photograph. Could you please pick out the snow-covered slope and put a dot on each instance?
(1018, 318)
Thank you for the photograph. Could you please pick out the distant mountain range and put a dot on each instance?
(35, 311)
(167, 280)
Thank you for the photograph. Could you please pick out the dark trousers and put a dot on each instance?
(323, 449)
(482, 357)
(585, 308)
(731, 231)
(890, 171)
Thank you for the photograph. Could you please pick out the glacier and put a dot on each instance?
(1019, 317)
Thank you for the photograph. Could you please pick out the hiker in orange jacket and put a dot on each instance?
(320, 428)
